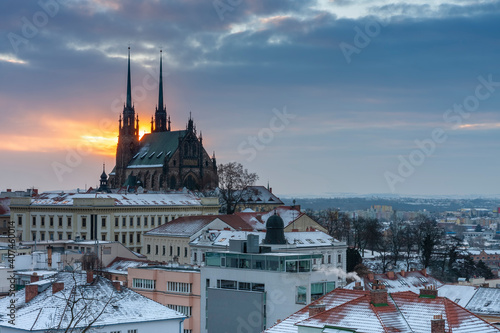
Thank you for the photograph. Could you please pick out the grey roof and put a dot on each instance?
(156, 148)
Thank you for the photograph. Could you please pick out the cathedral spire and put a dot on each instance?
(129, 89)
(161, 112)
(160, 92)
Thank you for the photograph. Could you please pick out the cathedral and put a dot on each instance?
(163, 159)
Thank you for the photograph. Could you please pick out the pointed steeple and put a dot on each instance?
(129, 89)
(161, 112)
(160, 92)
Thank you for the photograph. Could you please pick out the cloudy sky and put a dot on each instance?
(317, 97)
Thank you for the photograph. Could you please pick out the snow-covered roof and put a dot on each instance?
(48, 311)
(405, 312)
(396, 282)
(129, 199)
(121, 265)
(458, 294)
(187, 226)
(298, 239)
(485, 301)
(258, 220)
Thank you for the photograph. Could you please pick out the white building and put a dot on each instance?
(255, 283)
(79, 300)
(109, 217)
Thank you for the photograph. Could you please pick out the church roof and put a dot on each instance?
(155, 147)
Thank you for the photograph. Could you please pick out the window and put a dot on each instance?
(69, 221)
(59, 236)
(116, 237)
(116, 222)
(84, 222)
(226, 284)
(131, 237)
(51, 236)
(185, 252)
(185, 310)
(124, 221)
(148, 249)
(144, 284)
(131, 221)
(123, 238)
(138, 221)
(317, 290)
(164, 252)
(301, 297)
(69, 235)
(103, 222)
(138, 237)
(42, 236)
(145, 221)
(51, 221)
(115, 332)
(131, 331)
(156, 251)
(188, 331)
(19, 220)
(60, 221)
(178, 251)
(42, 221)
(339, 258)
(179, 287)
(103, 237)
(34, 220)
(34, 236)
(152, 221)
(171, 250)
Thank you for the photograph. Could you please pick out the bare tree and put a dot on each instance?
(84, 305)
(234, 181)
(337, 223)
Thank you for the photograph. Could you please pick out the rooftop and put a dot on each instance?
(49, 310)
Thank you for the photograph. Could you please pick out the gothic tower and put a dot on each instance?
(128, 137)
(160, 120)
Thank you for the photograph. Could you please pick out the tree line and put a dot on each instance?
(403, 245)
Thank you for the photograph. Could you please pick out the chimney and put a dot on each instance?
(403, 273)
(390, 275)
(316, 309)
(378, 295)
(57, 287)
(90, 276)
(49, 256)
(271, 189)
(34, 278)
(428, 292)
(9, 190)
(371, 276)
(35, 192)
(358, 286)
(31, 290)
(117, 285)
(438, 324)
(424, 272)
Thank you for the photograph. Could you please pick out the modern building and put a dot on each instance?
(177, 287)
(103, 216)
(163, 159)
(267, 283)
(332, 251)
(376, 311)
(79, 300)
